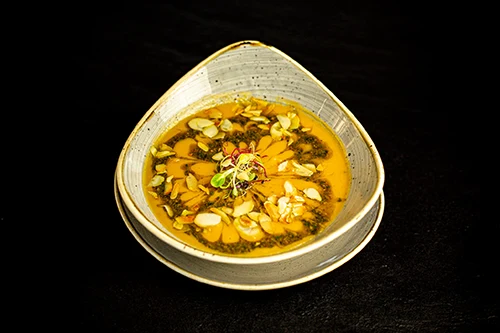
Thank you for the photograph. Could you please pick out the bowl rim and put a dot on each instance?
(248, 286)
(127, 199)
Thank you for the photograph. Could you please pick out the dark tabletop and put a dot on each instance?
(428, 267)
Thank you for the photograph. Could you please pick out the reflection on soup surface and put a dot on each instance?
(247, 178)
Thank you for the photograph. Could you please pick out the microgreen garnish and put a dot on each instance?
(238, 170)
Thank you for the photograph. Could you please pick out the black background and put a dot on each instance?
(428, 267)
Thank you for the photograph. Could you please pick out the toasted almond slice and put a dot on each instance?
(310, 166)
(219, 156)
(263, 127)
(191, 182)
(282, 204)
(164, 146)
(284, 121)
(153, 194)
(226, 125)
(223, 215)
(306, 129)
(301, 170)
(168, 188)
(298, 198)
(320, 167)
(164, 153)
(210, 131)
(161, 168)
(294, 121)
(199, 124)
(243, 209)
(298, 210)
(272, 210)
(248, 229)
(220, 135)
(273, 198)
(153, 150)
(169, 210)
(156, 181)
(204, 189)
(207, 219)
(254, 216)
(312, 193)
(255, 113)
(289, 189)
(272, 228)
(263, 119)
(202, 146)
(175, 191)
(275, 131)
(282, 166)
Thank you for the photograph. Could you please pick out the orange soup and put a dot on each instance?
(247, 178)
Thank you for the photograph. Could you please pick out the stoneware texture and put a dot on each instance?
(250, 67)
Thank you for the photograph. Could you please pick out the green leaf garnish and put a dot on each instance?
(242, 161)
(218, 180)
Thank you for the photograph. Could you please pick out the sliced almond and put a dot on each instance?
(156, 181)
(272, 210)
(210, 131)
(301, 170)
(164, 153)
(248, 229)
(312, 193)
(243, 209)
(284, 121)
(199, 124)
(203, 146)
(219, 156)
(175, 191)
(223, 215)
(226, 125)
(262, 119)
(207, 219)
(204, 189)
(191, 182)
(276, 132)
(161, 168)
(169, 210)
(254, 216)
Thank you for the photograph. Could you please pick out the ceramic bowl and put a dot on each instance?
(239, 69)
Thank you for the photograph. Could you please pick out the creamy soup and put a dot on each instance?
(247, 178)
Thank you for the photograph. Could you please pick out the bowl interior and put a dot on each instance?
(251, 68)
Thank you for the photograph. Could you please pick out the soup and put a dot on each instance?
(247, 178)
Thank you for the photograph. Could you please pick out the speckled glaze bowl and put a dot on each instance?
(251, 67)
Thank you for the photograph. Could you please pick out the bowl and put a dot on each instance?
(256, 69)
